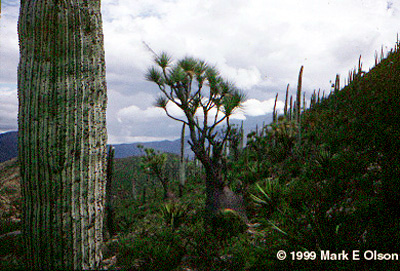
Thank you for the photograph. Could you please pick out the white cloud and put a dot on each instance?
(253, 107)
(259, 44)
(136, 114)
(112, 139)
(8, 109)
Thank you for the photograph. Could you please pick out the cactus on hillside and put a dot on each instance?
(274, 113)
(337, 83)
(298, 104)
(298, 97)
(109, 195)
(62, 133)
(285, 110)
(182, 164)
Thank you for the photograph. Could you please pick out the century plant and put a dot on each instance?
(173, 213)
(62, 133)
(206, 101)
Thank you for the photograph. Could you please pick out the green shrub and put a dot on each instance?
(173, 213)
(162, 250)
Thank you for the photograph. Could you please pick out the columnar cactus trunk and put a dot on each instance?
(182, 164)
(62, 132)
(298, 97)
(109, 208)
(274, 113)
(285, 110)
(298, 104)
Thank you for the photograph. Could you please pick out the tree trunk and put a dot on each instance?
(214, 193)
(62, 132)
(214, 185)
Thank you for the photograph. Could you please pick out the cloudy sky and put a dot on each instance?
(258, 44)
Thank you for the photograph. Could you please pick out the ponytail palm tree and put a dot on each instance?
(207, 101)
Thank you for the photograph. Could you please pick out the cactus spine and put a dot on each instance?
(62, 132)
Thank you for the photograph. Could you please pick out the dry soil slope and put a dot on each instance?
(10, 192)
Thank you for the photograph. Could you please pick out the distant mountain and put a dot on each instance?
(8, 142)
(126, 150)
(8, 146)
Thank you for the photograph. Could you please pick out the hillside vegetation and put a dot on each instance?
(335, 186)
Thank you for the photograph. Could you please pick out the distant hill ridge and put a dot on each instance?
(9, 147)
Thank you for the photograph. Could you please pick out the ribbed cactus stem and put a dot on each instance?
(291, 108)
(298, 97)
(274, 113)
(182, 171)
(313, 99)
(285, 113)
(62, 133)
(241, 134)
(109, 192)
(337, 83)
(298, 104)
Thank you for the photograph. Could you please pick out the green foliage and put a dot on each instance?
(269, 195)
(334, 190)
(161, 250)
(160, 166)
(228, 219)
(173, 213)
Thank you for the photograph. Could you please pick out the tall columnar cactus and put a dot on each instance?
(182, 165)
(298, 104)
(109, 193)
(298, 97)
(313, 99)
(241, 142)
(62, 132)
(274, 113)
(285, 110)
(337, 83)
